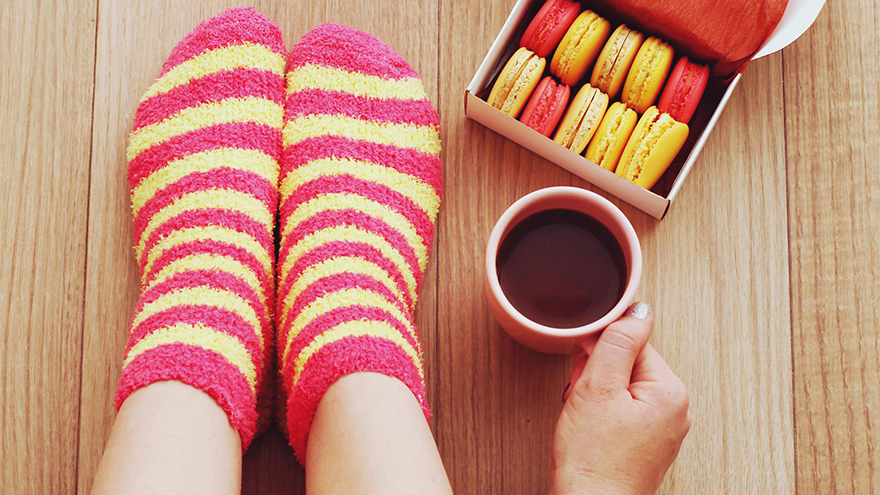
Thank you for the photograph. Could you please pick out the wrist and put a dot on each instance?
(584, 482)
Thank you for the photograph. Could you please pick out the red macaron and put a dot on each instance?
(549, 26)
(546, 106)
(683, 91)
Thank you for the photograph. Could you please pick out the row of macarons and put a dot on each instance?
(639, 153)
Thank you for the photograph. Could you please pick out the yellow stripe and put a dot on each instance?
(244, 56)
(341, 299)
(332, 79)
(230, 200)
(253, 161)
(230, 110)
(379, 329)
(342, 201)
(200, 336)
(422, 138)
(206, 261)
(350, 233)
(203, 296)
(210, 233)
(418, 191)
(343, 264)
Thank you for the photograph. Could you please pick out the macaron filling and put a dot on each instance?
(659, 125)
(583, 33)
(607, 139)
(519, 84)
(647, 69)
(610, 67)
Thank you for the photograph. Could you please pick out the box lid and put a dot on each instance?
(723, 33)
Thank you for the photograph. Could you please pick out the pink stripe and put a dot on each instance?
(217, 248)
(202, 369)
(329, 320)
(232, 27)
(228, 179)
(228, 322)
(395, 111)
(350, 249)
(214, 279)
(426, 167)
(241, 135)
(238, 83)
(211, 218)
(341, 358)
(335, 283)
(377, 192)
(341, 47)
(331, 218)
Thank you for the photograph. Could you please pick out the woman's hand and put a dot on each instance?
(625, 415)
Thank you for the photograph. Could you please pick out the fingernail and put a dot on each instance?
(565, 392)
(639, 311)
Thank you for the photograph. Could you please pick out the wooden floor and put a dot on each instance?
(765, 275)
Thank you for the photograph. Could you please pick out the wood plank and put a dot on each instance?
(45, 105)
(716, 272)
(833, 141)
(133, 41)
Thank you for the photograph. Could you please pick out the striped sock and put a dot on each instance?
(203, 170)
(360, 189)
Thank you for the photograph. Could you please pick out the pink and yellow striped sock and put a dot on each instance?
(203, 171)
(360, 189)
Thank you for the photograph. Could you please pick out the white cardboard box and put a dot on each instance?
(799, 15)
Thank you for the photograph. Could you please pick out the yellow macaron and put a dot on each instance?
(579, 47)
(516, 82)
(611, 137)
(654, 143)
(582, 119)
(615, 60)
(647, 75)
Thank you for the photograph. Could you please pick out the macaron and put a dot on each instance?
(516, 82)
(579, 47)
(546, 106)
(611, 137)
(647, 74)
(615, 60)
(582, 119)
(653, 145)
(549, 26)
(683, 90)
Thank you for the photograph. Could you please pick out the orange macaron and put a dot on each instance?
(654, 143)
(647, 75)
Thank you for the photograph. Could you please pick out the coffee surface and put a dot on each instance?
(561, 268)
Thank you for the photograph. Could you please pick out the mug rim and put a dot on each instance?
(634, 266)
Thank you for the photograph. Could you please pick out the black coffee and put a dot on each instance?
(561, 268)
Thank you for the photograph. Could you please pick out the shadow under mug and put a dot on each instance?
(535, 335)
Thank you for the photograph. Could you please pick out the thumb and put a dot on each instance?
(611, 363)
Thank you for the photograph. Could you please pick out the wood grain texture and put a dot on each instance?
(45, 107)
(765, 276)
(833, 142)
(720, 292)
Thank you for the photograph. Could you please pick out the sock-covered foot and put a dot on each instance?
(203, 170)
(360, 189)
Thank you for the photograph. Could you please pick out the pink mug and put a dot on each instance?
(535, 335)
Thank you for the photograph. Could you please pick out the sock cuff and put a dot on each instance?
(206, 370)
(335, 360)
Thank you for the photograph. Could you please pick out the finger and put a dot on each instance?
(611, 363)
(651, 367)
(585, 347)
(576, 373)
